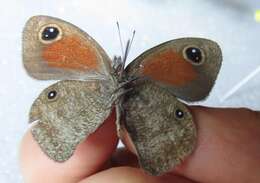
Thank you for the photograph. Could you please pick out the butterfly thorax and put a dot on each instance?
(118, 79)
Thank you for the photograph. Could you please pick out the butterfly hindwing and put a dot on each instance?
(188, 67)
(160, 127)
(55, 49)
(66, 113)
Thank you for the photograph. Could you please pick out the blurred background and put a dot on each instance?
(234, 24)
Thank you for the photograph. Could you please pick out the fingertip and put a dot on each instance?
(226, 145)
(121, 174)
(88, 158)
(132, 175)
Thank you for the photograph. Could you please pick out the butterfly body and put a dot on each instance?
(145, 94)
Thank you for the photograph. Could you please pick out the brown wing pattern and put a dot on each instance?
(55, 49)
(171, 65)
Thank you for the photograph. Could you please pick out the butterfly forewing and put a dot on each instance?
(55, 49)
(66, 113)
(188, 67)
(161, 127)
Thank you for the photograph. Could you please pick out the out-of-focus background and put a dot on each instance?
(234, 24)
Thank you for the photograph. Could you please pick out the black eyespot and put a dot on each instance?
(52, 94)
(179, 113)
(50, 33)
(194, 55)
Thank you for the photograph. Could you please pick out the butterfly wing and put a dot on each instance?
(55, 49)
(188, 67)
(66, 113)
(161, 127)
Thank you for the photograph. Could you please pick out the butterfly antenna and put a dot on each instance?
(120, 37)
(132, 39)
(128, 47)
(126, 51)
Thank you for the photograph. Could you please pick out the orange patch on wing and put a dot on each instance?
(71, 53)
(169, 67)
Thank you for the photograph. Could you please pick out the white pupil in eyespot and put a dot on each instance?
(51, 31)
(52, 94)
(179, 113)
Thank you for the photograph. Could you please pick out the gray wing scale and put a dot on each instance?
(162, 140)
(79, 108)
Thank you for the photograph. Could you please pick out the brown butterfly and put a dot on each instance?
(144, 94)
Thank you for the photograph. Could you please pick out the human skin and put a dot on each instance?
(227, 151)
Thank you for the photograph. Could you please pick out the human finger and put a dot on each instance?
(126, 174)
(89, 157)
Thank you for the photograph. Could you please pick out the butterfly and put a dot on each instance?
(146, 95)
